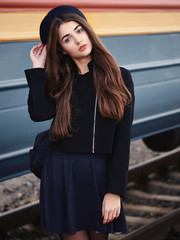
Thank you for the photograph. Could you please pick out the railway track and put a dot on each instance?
(152, 204)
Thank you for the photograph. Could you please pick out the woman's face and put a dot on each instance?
(75, 40)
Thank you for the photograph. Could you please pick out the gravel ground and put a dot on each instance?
(25, 189)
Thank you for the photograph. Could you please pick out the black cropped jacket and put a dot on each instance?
(93, 133)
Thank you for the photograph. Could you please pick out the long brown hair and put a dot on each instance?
(112, 93)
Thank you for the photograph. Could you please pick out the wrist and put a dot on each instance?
(109, 193)
(38, 65)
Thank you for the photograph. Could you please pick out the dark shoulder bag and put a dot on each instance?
(39, 152)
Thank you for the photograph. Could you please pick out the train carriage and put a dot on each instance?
(143, 36)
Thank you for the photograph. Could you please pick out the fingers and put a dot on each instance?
(38, 55)
(110, 216)
(103, 213)
(106, 219)
(37, 50)
(34, 50)
(110, 210)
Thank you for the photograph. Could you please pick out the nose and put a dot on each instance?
(77, 40)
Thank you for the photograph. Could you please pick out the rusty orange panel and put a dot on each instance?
(91, 5)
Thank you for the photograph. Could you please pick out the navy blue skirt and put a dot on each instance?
(71, 194)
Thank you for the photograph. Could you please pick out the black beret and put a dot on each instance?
(56, 12)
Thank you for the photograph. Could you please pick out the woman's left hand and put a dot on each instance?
(111, 207)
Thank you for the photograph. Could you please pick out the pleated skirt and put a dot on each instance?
(72, 189)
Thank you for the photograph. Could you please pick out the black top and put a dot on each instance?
(109, 137)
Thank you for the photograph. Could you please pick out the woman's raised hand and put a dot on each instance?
(38, 56)
(111, 207)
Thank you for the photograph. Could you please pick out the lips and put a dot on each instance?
(82, 47)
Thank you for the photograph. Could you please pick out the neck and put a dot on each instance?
(82, 65)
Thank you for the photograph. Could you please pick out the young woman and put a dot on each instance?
(76, 82)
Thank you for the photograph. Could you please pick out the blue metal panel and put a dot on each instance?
(17, 130)
(14, 166)
(154, 61)
(142, 49)
(14, 58)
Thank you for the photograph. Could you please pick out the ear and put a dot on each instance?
(64, 52)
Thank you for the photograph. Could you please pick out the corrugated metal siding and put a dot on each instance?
(154, 61)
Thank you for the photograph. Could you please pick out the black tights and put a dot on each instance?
(85, 235)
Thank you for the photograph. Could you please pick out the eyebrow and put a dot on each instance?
(68, 33)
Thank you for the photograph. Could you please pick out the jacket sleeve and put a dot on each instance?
(118, 161)
(41, 107)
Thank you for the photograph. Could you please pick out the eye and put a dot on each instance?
(79, 30)
(67, 40)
